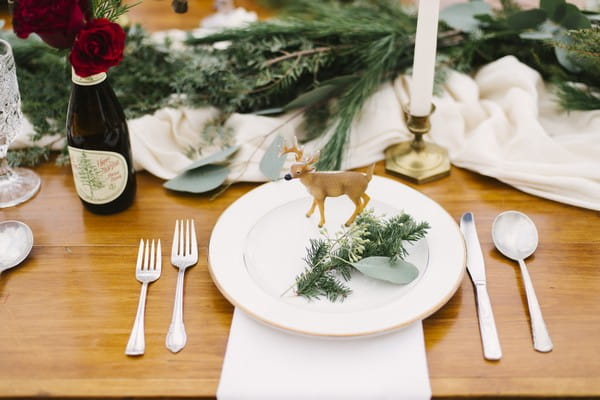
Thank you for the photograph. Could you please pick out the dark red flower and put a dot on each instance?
(55, 21)
(97, 47)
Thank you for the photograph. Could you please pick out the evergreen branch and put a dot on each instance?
(297, 54)
(574, 98)
(110, 9)
(381, 57)
(329, 260)
(28, 157)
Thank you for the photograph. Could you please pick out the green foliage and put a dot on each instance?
(583, 50)
(28, 157)
(324, 57)
(272, 161)
(277, 61)
(144, 80)
(199, 180)
(577, 98)
(43, 79)
(318, 279)
(330, 261)
(110, 9)
(385, 269)
(556, 39)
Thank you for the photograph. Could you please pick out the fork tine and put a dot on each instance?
(145, 267)
(181, 239)
(194, 243)
(175, 238)
(138, 265)
(152, 254)
(158, 265)
(187, 237)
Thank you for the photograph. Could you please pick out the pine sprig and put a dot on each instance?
(110, 9)
(577, 98)
(318, 279)
(329, 260)
(28, 157)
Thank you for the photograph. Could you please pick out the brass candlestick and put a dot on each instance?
(417, 160)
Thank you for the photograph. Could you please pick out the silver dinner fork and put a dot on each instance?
(184, 254)
(147, 269)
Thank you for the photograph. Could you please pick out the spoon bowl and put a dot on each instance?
(516, 236)
(20, 231)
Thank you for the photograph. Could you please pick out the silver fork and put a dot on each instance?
(147, 270)
(184, 254)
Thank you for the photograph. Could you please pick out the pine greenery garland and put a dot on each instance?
(326, 57)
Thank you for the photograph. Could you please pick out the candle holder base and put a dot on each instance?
(417, 160)
(417, 165)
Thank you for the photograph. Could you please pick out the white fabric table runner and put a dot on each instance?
(264, 363)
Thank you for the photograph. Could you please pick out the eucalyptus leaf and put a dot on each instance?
(554, 8)
(214, 158)
(536, 35)
(382, 268)
(528, 19)
(575, 19)
(462, 15)
(324, 91)
(199, 180)
(564, 59)
(312, 97)
(593, 17)
(564, 56)
(340, 81)
(272, 161)
(269, 111)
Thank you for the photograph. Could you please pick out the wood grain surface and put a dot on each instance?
(66, 312)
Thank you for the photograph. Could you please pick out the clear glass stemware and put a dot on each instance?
(16, 184)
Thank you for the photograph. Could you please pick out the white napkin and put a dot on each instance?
(264, 363)
(502, 122)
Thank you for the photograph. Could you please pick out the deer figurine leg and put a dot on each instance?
(365, 200)
(312, 208)
(358, 208)
(321, 204)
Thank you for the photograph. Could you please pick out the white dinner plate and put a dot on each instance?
(258, 244)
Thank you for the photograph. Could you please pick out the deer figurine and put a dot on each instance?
(328, 184)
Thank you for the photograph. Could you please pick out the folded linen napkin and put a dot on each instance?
(502, 122)
(264, 363)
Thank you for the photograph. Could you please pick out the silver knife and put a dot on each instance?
(476, 268)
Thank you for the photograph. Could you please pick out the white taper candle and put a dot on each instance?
(421, 89)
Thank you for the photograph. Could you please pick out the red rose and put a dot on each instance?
(97, 47)
(55, 21)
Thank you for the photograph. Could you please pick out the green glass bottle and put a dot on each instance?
(99, 147)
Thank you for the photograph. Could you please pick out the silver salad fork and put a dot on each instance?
(184, 254)
(147, 270)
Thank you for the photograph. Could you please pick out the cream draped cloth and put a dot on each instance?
(501, 122)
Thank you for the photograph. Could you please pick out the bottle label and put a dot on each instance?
(100, 176)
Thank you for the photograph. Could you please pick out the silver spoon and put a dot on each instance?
(516, 237)
(26, 235)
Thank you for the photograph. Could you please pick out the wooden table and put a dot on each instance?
(66, 312)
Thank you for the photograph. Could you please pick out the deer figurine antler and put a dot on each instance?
(328, 184)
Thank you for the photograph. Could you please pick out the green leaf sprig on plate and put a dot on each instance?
(373, 245)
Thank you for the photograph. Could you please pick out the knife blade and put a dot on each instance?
(476, 269)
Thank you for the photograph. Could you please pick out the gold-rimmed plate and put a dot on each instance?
(258, 244)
